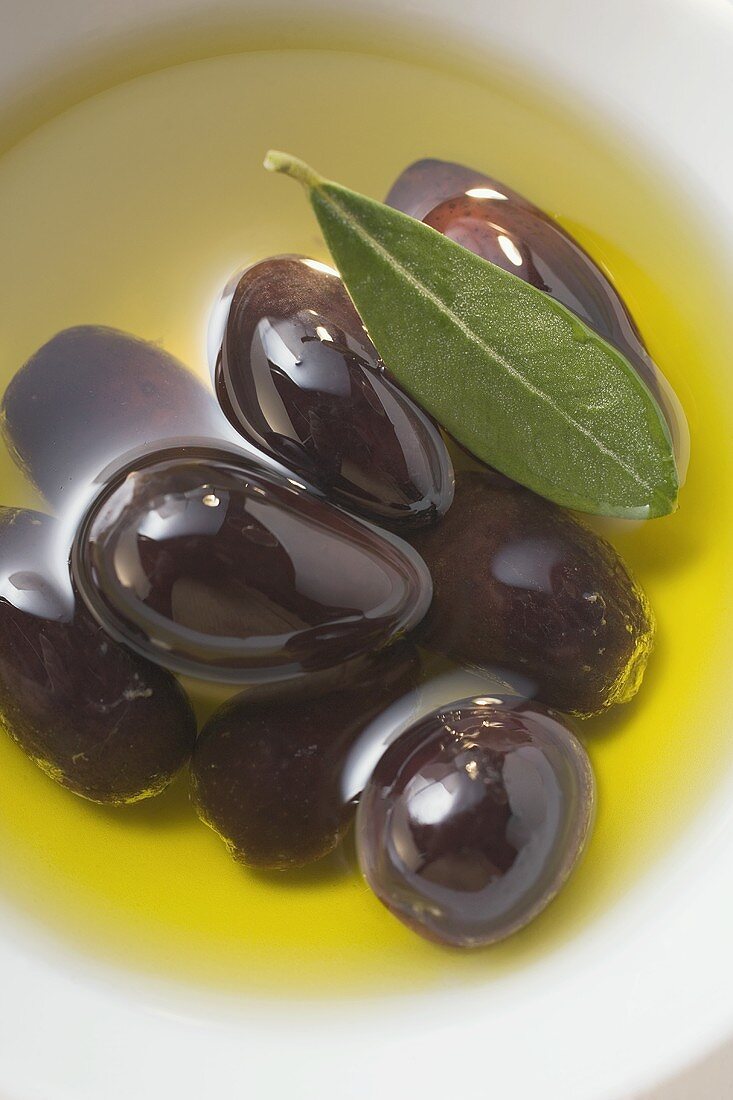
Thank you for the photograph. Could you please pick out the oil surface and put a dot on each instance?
(132, 210)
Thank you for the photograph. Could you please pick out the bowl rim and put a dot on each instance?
(608, 1014)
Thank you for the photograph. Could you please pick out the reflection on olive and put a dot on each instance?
(90, 395)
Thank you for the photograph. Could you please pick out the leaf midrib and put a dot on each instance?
(367, 238)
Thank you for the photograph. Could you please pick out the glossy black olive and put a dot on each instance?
(474, 818)
(298, 376)
(98, 719)
(224, 571)
(90, 395)
(502, 226)
(268, 777)
(521, 584)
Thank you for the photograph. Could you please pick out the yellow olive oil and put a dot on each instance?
(132, 209)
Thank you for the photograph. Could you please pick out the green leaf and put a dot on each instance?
(512, 374)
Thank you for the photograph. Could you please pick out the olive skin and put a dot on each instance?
(519, 583)
(300, 379)
(217, 568)
(267, 778)
(96, 718)
(90, 395)
(501, 225)
(474, 818)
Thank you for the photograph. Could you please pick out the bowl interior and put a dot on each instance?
(630, 933)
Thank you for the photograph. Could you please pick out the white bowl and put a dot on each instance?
(642, 990)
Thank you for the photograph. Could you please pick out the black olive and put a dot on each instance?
(298, 376)
(474, 818)
(500, 225)
(222, 570)
(520, 584)
(268, 778)
(96, 717)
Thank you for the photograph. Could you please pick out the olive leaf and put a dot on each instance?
(512, 374)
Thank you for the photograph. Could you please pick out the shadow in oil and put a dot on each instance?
(614, 722)
(171, 809)
(338, 864)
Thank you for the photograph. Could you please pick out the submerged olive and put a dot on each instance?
(521, 584)
(91, 394)
(474, 818)
(98, 719)
(224, 571)
(268, 777)
(298, 376)
(502, 226)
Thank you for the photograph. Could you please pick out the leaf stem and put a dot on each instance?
(276, 161)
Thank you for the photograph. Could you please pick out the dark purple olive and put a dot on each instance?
(474, 819)
(267, 778)
(502, 226)
(221, 570)
(98, 719)
(298, 376)
(90, 395)
(521, 584)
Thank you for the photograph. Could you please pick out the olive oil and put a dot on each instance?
(131, 210)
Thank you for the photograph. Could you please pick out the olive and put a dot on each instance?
(502, 226)
(90, 395)
(219, 569)
(473, 819)
(297, 375)
(519, 583)
(98, 719)
(268, 777)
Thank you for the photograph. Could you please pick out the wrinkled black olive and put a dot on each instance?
(298, 376)
(90, 395)
(98, 719)
(521, 584)
(225, 571)
(502, 226)
(268, 777)
(474, 818)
